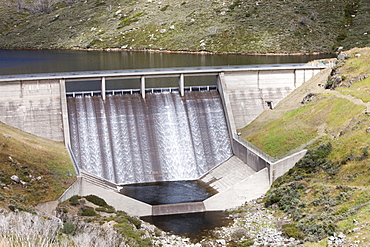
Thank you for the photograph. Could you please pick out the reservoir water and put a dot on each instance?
(52, 61)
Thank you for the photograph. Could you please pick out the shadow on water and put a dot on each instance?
(195, 226)
(169, 192)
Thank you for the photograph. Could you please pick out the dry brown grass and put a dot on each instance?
(43, 164)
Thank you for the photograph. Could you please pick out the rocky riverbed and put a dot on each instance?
(253, 225)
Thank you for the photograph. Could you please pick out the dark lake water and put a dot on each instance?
(168, 192)
(195, 226)
(51, 61)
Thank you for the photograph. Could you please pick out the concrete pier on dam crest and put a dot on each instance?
(38, 104)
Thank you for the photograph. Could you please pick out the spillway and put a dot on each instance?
(165, 137)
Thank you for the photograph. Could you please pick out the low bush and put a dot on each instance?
(135, 221)
(134, 238)
(315, 231)
(291, 231)
(96, 200)
(74, 200)
(69, 228)
(87, 211)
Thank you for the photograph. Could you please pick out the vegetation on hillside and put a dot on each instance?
(33, 169)
(218, 26)
(36, 170)
(328, 190)
(83, 221)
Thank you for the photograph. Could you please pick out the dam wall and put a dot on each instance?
(39, 106)
(250, 92)
(127, 139)
(33, 106)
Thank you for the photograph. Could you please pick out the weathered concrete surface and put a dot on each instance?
(33, 106)
(280, 167)
(250, 91)
(248, 189)
(249, 156)
(227, 174)
(178, 208)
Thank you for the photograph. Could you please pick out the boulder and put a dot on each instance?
(15, 178)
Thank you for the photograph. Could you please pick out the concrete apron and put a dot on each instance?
(232, 197)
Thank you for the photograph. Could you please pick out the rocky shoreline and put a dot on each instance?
(253, 225)
(204, 52)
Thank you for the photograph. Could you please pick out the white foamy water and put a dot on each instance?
(165, 137)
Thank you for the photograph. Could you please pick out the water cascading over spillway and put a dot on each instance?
(165, 137)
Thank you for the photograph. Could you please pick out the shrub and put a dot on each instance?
(317, 158)
(74, 200)
(100, 209)
(135, 221)
(316, 231)
(291, 231)
(96, 200)
(133, 237)
(87, 211)
(110, 210)
(287, 197)
(69, 228)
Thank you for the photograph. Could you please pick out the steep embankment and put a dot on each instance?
(328, 190)
(217, 26)
(33, 169)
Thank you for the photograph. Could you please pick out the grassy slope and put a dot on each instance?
(30, 157)
(219, 26)
(324, 194)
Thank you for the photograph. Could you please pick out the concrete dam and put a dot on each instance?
(146, 136)
(165, 137)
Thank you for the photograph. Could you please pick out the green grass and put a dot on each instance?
(328, 188)
(300, 126)
(360, 90)
(328, 116)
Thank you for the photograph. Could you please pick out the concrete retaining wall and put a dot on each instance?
(248, 156)
(33, 106)
(178, 208)
(113, 198)
(250, 91)
(280, 167)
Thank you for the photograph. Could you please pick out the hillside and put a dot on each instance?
(42, 166)
(327, 192)
(277, 26)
